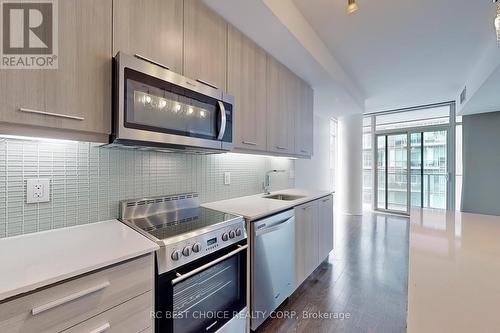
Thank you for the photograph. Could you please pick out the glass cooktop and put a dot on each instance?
(174, 223)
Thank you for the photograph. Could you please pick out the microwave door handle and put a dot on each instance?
(182, 277)
(222, 111)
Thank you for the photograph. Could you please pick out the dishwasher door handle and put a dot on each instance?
(274, 227)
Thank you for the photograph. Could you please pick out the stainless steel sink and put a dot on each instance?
(284, 197)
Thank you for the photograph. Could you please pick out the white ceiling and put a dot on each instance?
(390, 54)
(407, 52)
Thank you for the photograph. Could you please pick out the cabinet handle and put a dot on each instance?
(69, 298)
(138, 56)
(325, 200)
(207, 83)
(249, 143)
(101, 329)
(281, 147)
(304, 151)
(51, 114)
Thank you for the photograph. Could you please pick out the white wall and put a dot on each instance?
(350, 173)
(315, 173)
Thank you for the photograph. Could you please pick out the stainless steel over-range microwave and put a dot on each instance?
(155, 108)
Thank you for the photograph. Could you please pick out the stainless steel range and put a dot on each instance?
(201, 280)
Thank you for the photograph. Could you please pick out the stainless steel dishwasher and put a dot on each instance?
(273, 264)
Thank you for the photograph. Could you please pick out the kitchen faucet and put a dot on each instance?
(267, 180)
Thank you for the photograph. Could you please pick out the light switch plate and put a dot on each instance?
(227, 178)
(37, 190)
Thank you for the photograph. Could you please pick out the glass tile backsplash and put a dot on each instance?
(87, 181)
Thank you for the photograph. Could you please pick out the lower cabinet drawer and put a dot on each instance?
(66, 304)
(133, 316)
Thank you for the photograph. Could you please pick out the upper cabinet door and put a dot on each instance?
(280, 108)
(246, 81)
(304, 121)
(77, 95)
(205, 44)
(150, 28)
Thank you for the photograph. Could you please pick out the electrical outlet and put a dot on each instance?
(37, 190)
(227, 178)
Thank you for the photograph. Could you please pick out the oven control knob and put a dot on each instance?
(186, 251)
(196, 247)
(232, 234)
(176, 255)
(225, 236)
(238, 232)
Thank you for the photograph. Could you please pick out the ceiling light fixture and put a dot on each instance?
(352, 6)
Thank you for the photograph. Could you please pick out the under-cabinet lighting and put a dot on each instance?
(260, 155)
(31, 138)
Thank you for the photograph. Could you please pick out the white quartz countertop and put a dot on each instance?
(454, 272)
(255, 207)
(31, 261)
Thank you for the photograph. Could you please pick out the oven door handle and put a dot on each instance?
(223, 121)
(183, 277)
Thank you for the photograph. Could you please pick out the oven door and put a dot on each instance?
(203, 295)
(161, 107)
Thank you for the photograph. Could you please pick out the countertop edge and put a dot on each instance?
(290, 204)
(146, 247)
(45, 283)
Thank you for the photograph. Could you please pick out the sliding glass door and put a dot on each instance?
(392, 172)
(412, 170)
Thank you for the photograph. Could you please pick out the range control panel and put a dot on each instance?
(178, 254)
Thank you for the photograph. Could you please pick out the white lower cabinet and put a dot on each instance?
(114, 299)
(313, 236)
(325, 227)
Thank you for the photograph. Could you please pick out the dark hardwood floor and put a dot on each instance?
(365, 278)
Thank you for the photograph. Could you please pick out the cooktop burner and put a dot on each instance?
(184, 230)
(173, 223)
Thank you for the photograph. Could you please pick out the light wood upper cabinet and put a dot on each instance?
(325, 227)
(304, 121)
(280, 108)
(205, 44)
(78, 93)
(246, 81)
(151, 28)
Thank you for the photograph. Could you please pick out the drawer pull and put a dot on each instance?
(325, 200)
(101, 329)
(69, 298)
(51, 114)
(304, 151)
(250, 143)
(281, 148)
